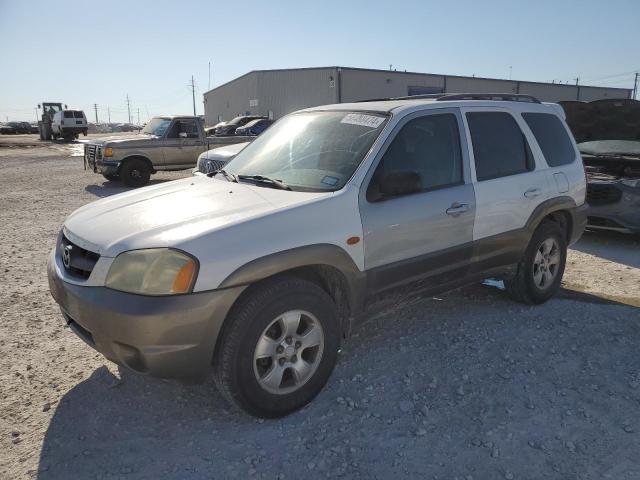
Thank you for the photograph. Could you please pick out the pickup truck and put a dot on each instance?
(165, 143)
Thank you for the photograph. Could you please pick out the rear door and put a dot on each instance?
(428, 234)
(509, 180)
(565, 173)
(182, 144)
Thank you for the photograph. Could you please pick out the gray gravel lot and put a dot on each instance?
(468, 385)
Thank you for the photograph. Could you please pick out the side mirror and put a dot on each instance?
(394, 184)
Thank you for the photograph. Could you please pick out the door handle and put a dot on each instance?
(457, 208)
(533, 193)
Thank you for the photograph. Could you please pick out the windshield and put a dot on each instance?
(312, 151)
(156, 126)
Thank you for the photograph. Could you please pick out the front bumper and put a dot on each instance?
(622, 215)
(169, 336)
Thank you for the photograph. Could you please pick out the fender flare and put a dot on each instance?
(564, 203)
(306, 256)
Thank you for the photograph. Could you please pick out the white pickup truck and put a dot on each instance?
(165, 143)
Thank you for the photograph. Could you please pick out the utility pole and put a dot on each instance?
(95, 107)
(109, 114)
(635, 86)
(138, 117)
(193, 95)
(36, 109)
(129, 107)
(577, 85)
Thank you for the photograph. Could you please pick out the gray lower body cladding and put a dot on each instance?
(168, 336)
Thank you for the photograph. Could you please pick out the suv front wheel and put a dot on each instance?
(279, 348)
(540, 271)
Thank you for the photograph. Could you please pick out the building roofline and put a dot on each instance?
(530, 82)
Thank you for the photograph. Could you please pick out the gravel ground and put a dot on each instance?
(468, 385)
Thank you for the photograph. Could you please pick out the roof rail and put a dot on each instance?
(445, 97)
(501, 97)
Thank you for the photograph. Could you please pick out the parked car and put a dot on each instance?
(6, 129)
(34, 128)
(10, 128)
(215, 159)
(210, 131)
(229, 128)
(613, 189)
(69, 124)
(263, 268)
(165, 143)
(255, 127)
(608, 132)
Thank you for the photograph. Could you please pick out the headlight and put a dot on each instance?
(629, 182)
(108, 152)
(154, 271)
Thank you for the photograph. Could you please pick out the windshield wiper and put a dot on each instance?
(279, 184)
(229, 176)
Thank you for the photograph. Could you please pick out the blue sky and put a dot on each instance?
(82, 53)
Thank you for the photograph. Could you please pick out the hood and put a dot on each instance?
(124, 140)
(173, 213)
(610, 119)
(224, 152)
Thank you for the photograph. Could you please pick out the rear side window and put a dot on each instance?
(78, 115)
(552, 137)
(68, 114)
(499, 146)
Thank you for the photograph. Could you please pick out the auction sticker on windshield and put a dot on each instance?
(364, 120)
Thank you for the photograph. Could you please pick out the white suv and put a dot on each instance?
(260, 269)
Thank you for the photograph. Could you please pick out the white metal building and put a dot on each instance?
(275, 93)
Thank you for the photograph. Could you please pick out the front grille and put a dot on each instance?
(92, 153)
(80, 262)
(602, 194)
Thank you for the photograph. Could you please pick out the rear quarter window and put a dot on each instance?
(552, 137)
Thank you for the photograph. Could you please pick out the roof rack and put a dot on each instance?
(445, 97)
(501, 97)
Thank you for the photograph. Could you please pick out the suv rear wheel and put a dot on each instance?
(540, 271)
(135, 173)
(279, 347)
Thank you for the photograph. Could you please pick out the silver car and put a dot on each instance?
(216, 158)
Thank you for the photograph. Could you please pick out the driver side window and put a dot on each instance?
(425, 152)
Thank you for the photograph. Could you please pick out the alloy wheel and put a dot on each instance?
(288, 352)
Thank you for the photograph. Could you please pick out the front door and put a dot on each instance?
(426, 234)
(182, 144)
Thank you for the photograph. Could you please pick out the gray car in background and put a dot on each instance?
(608, 137)
(216, 158)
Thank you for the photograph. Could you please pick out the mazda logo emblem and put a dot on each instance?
(66, 256)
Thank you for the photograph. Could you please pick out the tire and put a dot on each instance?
(111, 176)
(135, 173)
(540, 271)
(244, 376)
